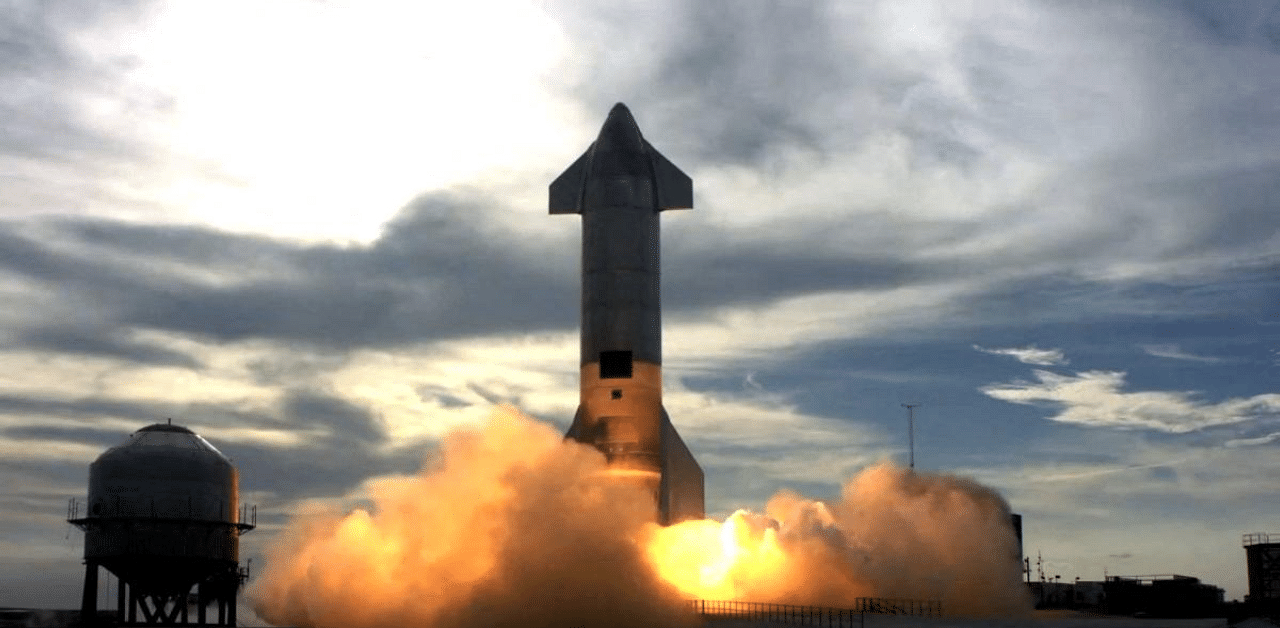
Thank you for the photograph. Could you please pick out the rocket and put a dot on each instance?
(619, 186)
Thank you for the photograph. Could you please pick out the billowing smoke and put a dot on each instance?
(510, 525)
(894, 533)
(505, 526)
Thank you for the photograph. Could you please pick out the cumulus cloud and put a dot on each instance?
(1173, 352)
(1095, 399)
(1029, 355)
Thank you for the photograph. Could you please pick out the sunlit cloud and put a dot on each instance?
(1029, 355)
(1095, 399)
(299, 138)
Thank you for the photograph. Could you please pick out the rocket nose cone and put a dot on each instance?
(620, 132)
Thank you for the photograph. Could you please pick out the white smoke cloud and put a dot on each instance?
(508, 525)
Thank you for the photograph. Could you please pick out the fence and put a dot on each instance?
(816, 615)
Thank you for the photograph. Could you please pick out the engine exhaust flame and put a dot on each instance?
(893, 533)
(511, 525)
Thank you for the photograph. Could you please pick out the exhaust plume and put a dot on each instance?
(894, 533)
(508, 525)
(511, 525)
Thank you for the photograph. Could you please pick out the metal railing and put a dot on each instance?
(816, 615)
(1259, 538)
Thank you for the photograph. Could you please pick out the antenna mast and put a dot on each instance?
(911, 433)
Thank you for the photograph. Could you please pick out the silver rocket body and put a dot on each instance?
(619, 186)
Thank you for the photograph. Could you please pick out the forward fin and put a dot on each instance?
(566, 190)
(675, 188)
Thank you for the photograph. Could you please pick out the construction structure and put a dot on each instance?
(1015, 520)
(1262, 553)
(163, 516)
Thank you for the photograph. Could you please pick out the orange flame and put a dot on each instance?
(709, 560)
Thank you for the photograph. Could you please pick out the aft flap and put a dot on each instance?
(577, 428)
(566, 190)
(675, 188)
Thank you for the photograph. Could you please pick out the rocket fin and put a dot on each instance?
(682, 491)
(576, 429)
(566, 190)
(675, 188)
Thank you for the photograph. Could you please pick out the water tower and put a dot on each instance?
(163, 516)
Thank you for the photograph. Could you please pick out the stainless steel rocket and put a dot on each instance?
(619, 185)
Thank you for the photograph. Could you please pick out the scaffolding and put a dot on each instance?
(1262, 550)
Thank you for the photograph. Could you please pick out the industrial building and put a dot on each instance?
(1169, 595)
(1262, 555)
(163, 516)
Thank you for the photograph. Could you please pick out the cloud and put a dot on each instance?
(1029, 355)
(322, 443)
(1095, 399)
(1173, 352)
(112, 279)
(449, 266)
(1251, 442)
(63, 107)
(102, 344)
(957, 201)
(988, 150)
(1072, 473)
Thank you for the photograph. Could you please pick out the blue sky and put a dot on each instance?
(316, 233)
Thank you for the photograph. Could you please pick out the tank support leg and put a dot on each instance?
(89, 598)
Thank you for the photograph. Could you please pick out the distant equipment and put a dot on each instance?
(1262, 551)
(163, 515)
(1165, 595)
(911, 433)
(1015, 520)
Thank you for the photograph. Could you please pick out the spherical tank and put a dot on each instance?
(162, 509)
